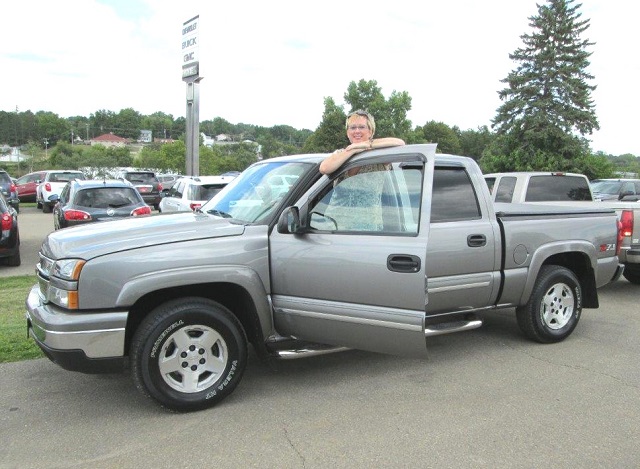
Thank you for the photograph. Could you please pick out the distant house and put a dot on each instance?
(109, 140)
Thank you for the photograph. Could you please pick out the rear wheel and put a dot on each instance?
(188, 354)
(554, 308)
(46, 207)
(632, 273)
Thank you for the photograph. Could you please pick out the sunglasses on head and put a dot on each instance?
(360, 113)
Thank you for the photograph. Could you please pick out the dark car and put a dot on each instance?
(9, 190)
(87, 201)
(615, 189)
(147, 184)
(27, 185)
(9, 235)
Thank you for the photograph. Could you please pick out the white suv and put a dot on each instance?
(189, 193)
(53, 183)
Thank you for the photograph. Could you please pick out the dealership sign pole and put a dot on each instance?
(191, 75)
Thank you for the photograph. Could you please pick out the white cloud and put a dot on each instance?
(269, 63)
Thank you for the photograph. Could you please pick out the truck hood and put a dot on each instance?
(97, 239)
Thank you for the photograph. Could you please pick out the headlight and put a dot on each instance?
(62, 288)
(68, 269)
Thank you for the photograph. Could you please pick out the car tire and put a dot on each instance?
(14, 260)
(188, 354)
(632, 273)
(554, 308)
(46, 207)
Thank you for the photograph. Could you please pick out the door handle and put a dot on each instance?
(403, 263)
(476, 240)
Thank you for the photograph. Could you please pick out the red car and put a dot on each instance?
(28, 184)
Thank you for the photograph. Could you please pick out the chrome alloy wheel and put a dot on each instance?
(557, 306)
(193, 358)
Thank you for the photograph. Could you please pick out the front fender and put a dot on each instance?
(242, 276)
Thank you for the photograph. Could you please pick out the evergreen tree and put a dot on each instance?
(547, 107)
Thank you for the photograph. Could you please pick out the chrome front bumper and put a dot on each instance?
(98, 334)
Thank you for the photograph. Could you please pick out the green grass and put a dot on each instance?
(14, 343)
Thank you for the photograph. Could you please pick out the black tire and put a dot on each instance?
(46, 207)
(632, 273)
(201, 370)
(15, 261)
(554, 308)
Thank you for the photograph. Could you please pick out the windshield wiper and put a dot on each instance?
(217, 213)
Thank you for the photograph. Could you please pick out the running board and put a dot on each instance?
(449, 327)
(305, 352)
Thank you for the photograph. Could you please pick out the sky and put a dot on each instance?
(273, 63)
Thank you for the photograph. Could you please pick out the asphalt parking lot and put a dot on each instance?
(486, 398)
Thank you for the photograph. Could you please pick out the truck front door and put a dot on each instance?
(356, 277)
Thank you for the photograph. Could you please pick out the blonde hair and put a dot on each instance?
(371, 123)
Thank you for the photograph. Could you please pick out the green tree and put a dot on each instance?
(440, 133)
(101, 122)
(128, 124)
(547, 107)
(474, 142)
(51, 127)
(331, 133)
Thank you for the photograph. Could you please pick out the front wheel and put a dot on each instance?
(188, 354)
(554, 308)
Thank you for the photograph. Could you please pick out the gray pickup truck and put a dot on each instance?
(398, 245)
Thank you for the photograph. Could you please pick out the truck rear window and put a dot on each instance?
(549, 188)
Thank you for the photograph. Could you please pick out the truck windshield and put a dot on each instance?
(255, 194)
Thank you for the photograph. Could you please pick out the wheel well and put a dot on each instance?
(232, 296)
(580, 265)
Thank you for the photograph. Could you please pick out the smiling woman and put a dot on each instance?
(360, 126)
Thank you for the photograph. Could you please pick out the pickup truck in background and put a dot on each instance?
(52, 184)
(575, 190)
(397, 246)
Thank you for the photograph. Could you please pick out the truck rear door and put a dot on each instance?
(356, 277)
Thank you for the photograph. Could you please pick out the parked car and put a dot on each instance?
(615, 189)
(87, 201)
(9, 190)
(191, 192)
(27, 185)
(52, 184)
(147, 184)
(168, 180)
(9, 235)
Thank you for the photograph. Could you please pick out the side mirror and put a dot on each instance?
(53, 198)
(289, 221)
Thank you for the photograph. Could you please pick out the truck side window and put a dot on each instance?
(375, 198)
(454, 197)
(506, 186)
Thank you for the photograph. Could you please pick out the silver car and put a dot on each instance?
(189, 193)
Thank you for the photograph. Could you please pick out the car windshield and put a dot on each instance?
(65, 177)
(255, 194)
(205, 191)
(606, 187)
(140, 177)
(107, 197)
